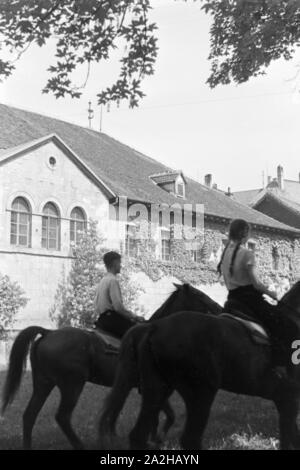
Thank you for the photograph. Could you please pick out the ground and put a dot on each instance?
(236, 422)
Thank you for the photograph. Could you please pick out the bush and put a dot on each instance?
(12, 298)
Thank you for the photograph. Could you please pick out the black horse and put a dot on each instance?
(68, 357)
(197, 354)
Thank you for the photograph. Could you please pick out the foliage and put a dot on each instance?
(12, 298)
(74, 299)
(86, 31)
(245, 37)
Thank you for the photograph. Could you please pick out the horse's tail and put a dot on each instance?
(17, 362)
(125, 379)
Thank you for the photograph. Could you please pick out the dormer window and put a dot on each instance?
(179, 187)
(171, 181)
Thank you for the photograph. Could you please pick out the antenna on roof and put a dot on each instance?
(90, 114)
(263, 179)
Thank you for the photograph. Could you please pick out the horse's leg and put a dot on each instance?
(288, 411)
(152, 403)
(198, 401)
(70, 393)
(170, 419)
(41, 390)
(155, 393)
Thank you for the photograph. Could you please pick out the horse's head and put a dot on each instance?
(186, 297)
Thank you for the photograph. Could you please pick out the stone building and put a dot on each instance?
(54, 176)
(280, 199)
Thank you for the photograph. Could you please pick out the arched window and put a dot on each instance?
(20, 222)
(77, 225)
(51, 227)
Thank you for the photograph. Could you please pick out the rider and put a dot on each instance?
(238, 267)
(113, 316)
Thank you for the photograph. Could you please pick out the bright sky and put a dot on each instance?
(234, 132)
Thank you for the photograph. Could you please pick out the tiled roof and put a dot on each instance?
(124, 170)
(246, 197)
(278, 198)
(290, 191)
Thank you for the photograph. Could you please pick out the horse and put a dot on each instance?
(69, 357)
(196, 354)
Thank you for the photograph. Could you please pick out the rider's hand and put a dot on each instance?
(139, 319)
(273, 294)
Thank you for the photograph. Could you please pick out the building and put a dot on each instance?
(280, 199)
(54, 176)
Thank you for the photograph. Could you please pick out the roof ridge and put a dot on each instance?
(89, 130)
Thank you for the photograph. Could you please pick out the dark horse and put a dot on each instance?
(196, 355)
(68, 357)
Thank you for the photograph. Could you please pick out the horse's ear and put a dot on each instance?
(178, 286)
(186, 286)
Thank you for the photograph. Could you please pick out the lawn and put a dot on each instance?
(236, 422)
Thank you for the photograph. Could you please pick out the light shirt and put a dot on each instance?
(243, 259)
(108, 295)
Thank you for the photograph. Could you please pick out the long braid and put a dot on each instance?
(233, 258)
(222, 257)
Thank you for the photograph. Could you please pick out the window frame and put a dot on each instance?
(73, 226)
(17, 223)
(130, 245)
(163, 244)
(47, 220)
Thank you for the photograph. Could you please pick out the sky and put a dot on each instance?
(238, 133)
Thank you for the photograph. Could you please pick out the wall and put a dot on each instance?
(37, 269)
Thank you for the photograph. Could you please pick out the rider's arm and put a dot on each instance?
(117, 302)
(254, 276)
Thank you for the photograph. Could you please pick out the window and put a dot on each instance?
(196, 255)
(180, 189)
(130, 240)
(275, 258)
(77, 225)
(51, 227)
(52, 162)
(165, 245)
(194, 249)
(20, 223)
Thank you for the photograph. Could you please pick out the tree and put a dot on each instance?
(245, 36)
(12, 298)
(74, 299)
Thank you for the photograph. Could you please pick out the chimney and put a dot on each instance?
(229, 193)
(280, 177)
(208, 180)
(215, 186)
(269, 179)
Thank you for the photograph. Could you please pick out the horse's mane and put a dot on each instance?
(213, 306)
(166, 303)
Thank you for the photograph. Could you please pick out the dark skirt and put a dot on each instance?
(275, 322)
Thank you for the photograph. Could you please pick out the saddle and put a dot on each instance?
(111, 342)
(238, 311)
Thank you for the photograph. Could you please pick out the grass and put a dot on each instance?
(236, 422)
